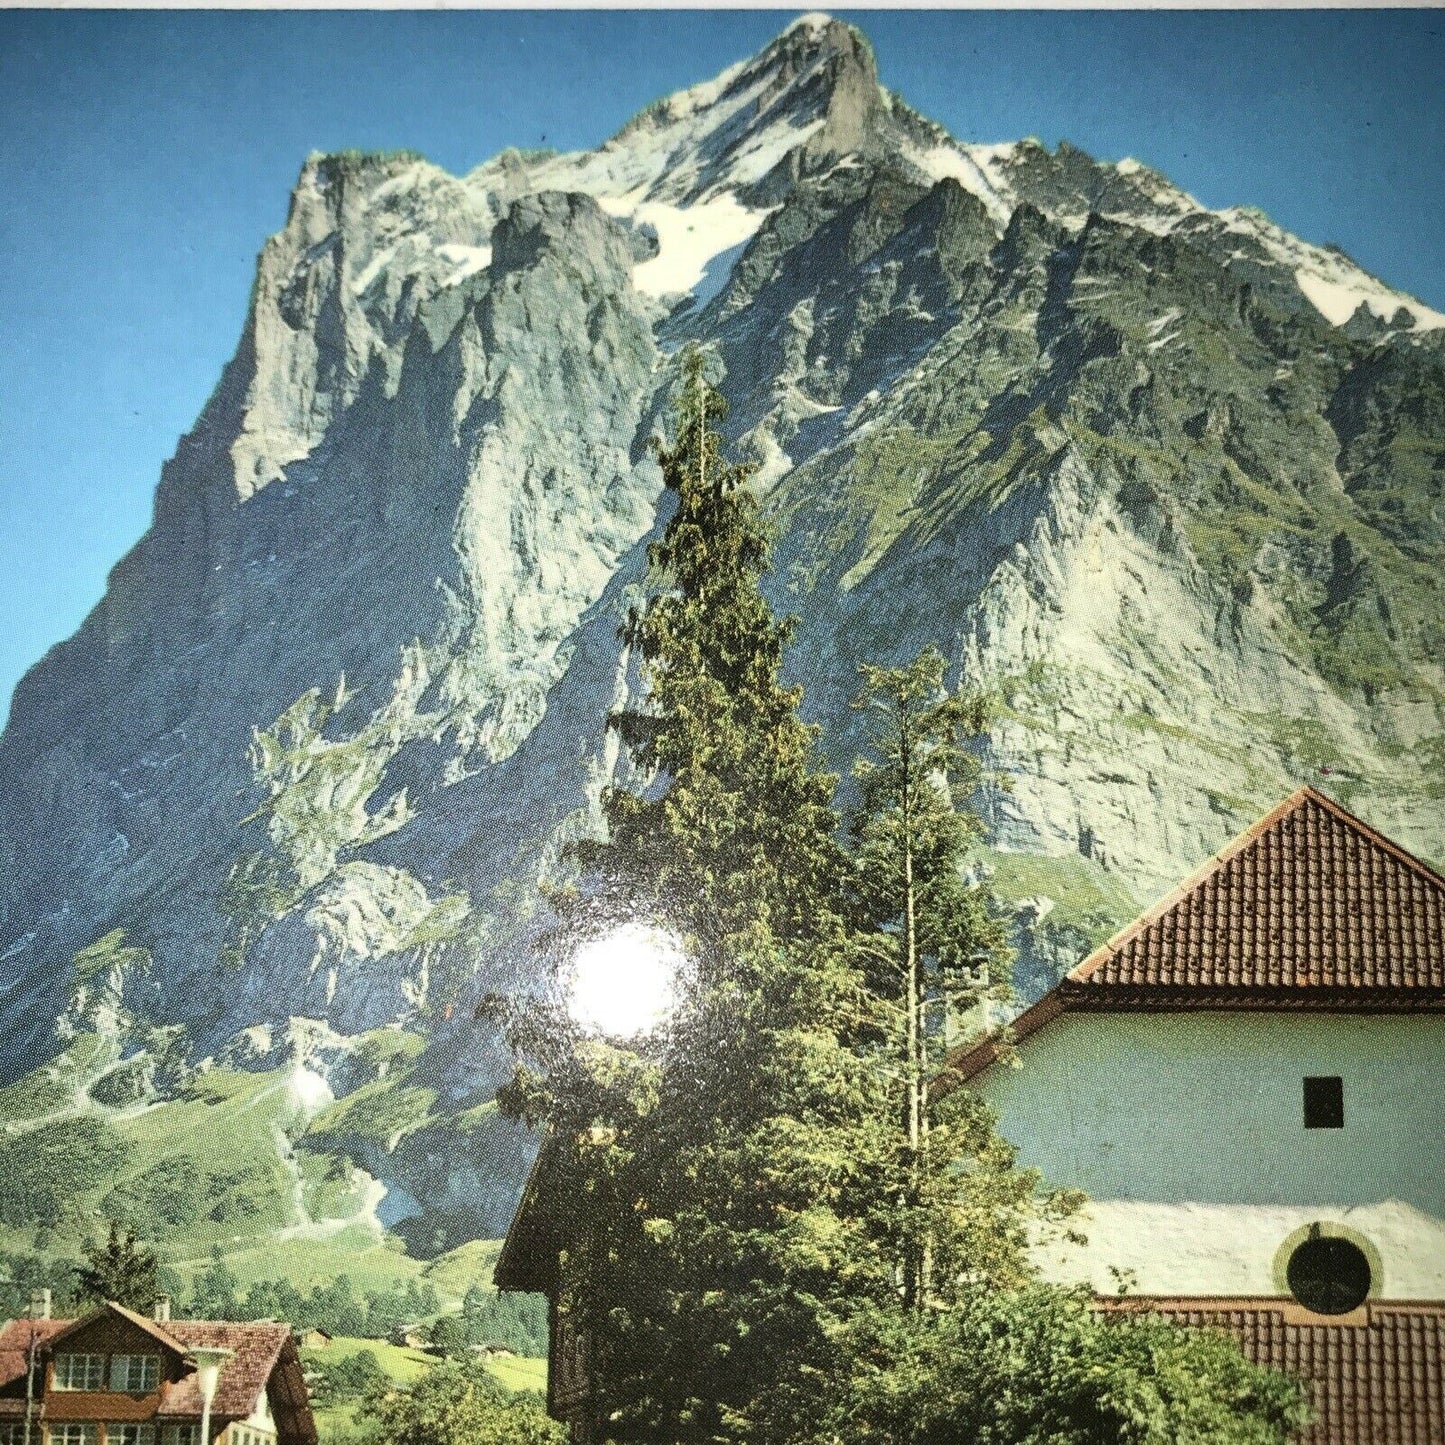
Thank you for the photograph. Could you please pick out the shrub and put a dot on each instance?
(1040, 1366)
(349, 1379)
(42, 1171)
(459, 1403)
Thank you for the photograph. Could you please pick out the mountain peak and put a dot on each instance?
(812, 22)
(809, 96)
(818, 34)
(285, 801)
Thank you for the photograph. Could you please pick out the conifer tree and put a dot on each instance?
(712, 1179)
(972, 1347)
(738, 840)
(932, 948)
(213, 1294)
(121, 1269)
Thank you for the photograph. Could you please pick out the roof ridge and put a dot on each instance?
(150, 1326)
(1105, 951)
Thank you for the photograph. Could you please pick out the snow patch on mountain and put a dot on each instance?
(1169, 204)
(690, 166)
(690, 239)
(466, 261)
(1334, 284)
(687, 164)
(719, 136)
(973, 167)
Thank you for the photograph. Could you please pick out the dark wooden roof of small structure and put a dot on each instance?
(1308, 909)
(1375, 1377)
(528, 1261)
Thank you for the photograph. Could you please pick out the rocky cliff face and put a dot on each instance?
(1168, 480)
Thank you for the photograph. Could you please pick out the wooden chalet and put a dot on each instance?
(115, 1377)
(532, 1261)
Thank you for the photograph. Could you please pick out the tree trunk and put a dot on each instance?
(914, 1069)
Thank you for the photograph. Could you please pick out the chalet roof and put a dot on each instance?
(264, 1354)
(528, 1258)
(159, 1332)
(258, 1349)
(15, 1338)
(1308, 909)
(1375, 1377)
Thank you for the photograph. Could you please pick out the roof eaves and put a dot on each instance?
(973, 1059)
(1290, 1310)
(514, 1270)
(291, 1399)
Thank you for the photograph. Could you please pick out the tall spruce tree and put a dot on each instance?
(737, 844)
(932, 949)
(121, 1269)
(712, 1180)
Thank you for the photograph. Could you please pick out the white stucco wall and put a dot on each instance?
(1238, 1249)
(261, 1416)
(1187, 1132)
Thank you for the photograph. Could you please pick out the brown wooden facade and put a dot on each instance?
(569, 1376)
(534, 1260)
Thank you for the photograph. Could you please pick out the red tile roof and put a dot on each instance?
(15, 1337)
(1310, 908)
(265, 1359)
(1310, 897)
(1376, 1377)
(257, 1350)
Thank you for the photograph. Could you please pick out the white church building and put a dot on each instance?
(1249, 1084)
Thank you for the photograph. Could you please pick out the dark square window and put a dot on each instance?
(1324, 1103)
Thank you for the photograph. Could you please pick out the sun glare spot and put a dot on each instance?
(623, 982)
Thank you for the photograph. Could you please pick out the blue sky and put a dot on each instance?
(148, 155)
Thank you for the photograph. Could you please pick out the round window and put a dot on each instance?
(1329, 1276)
